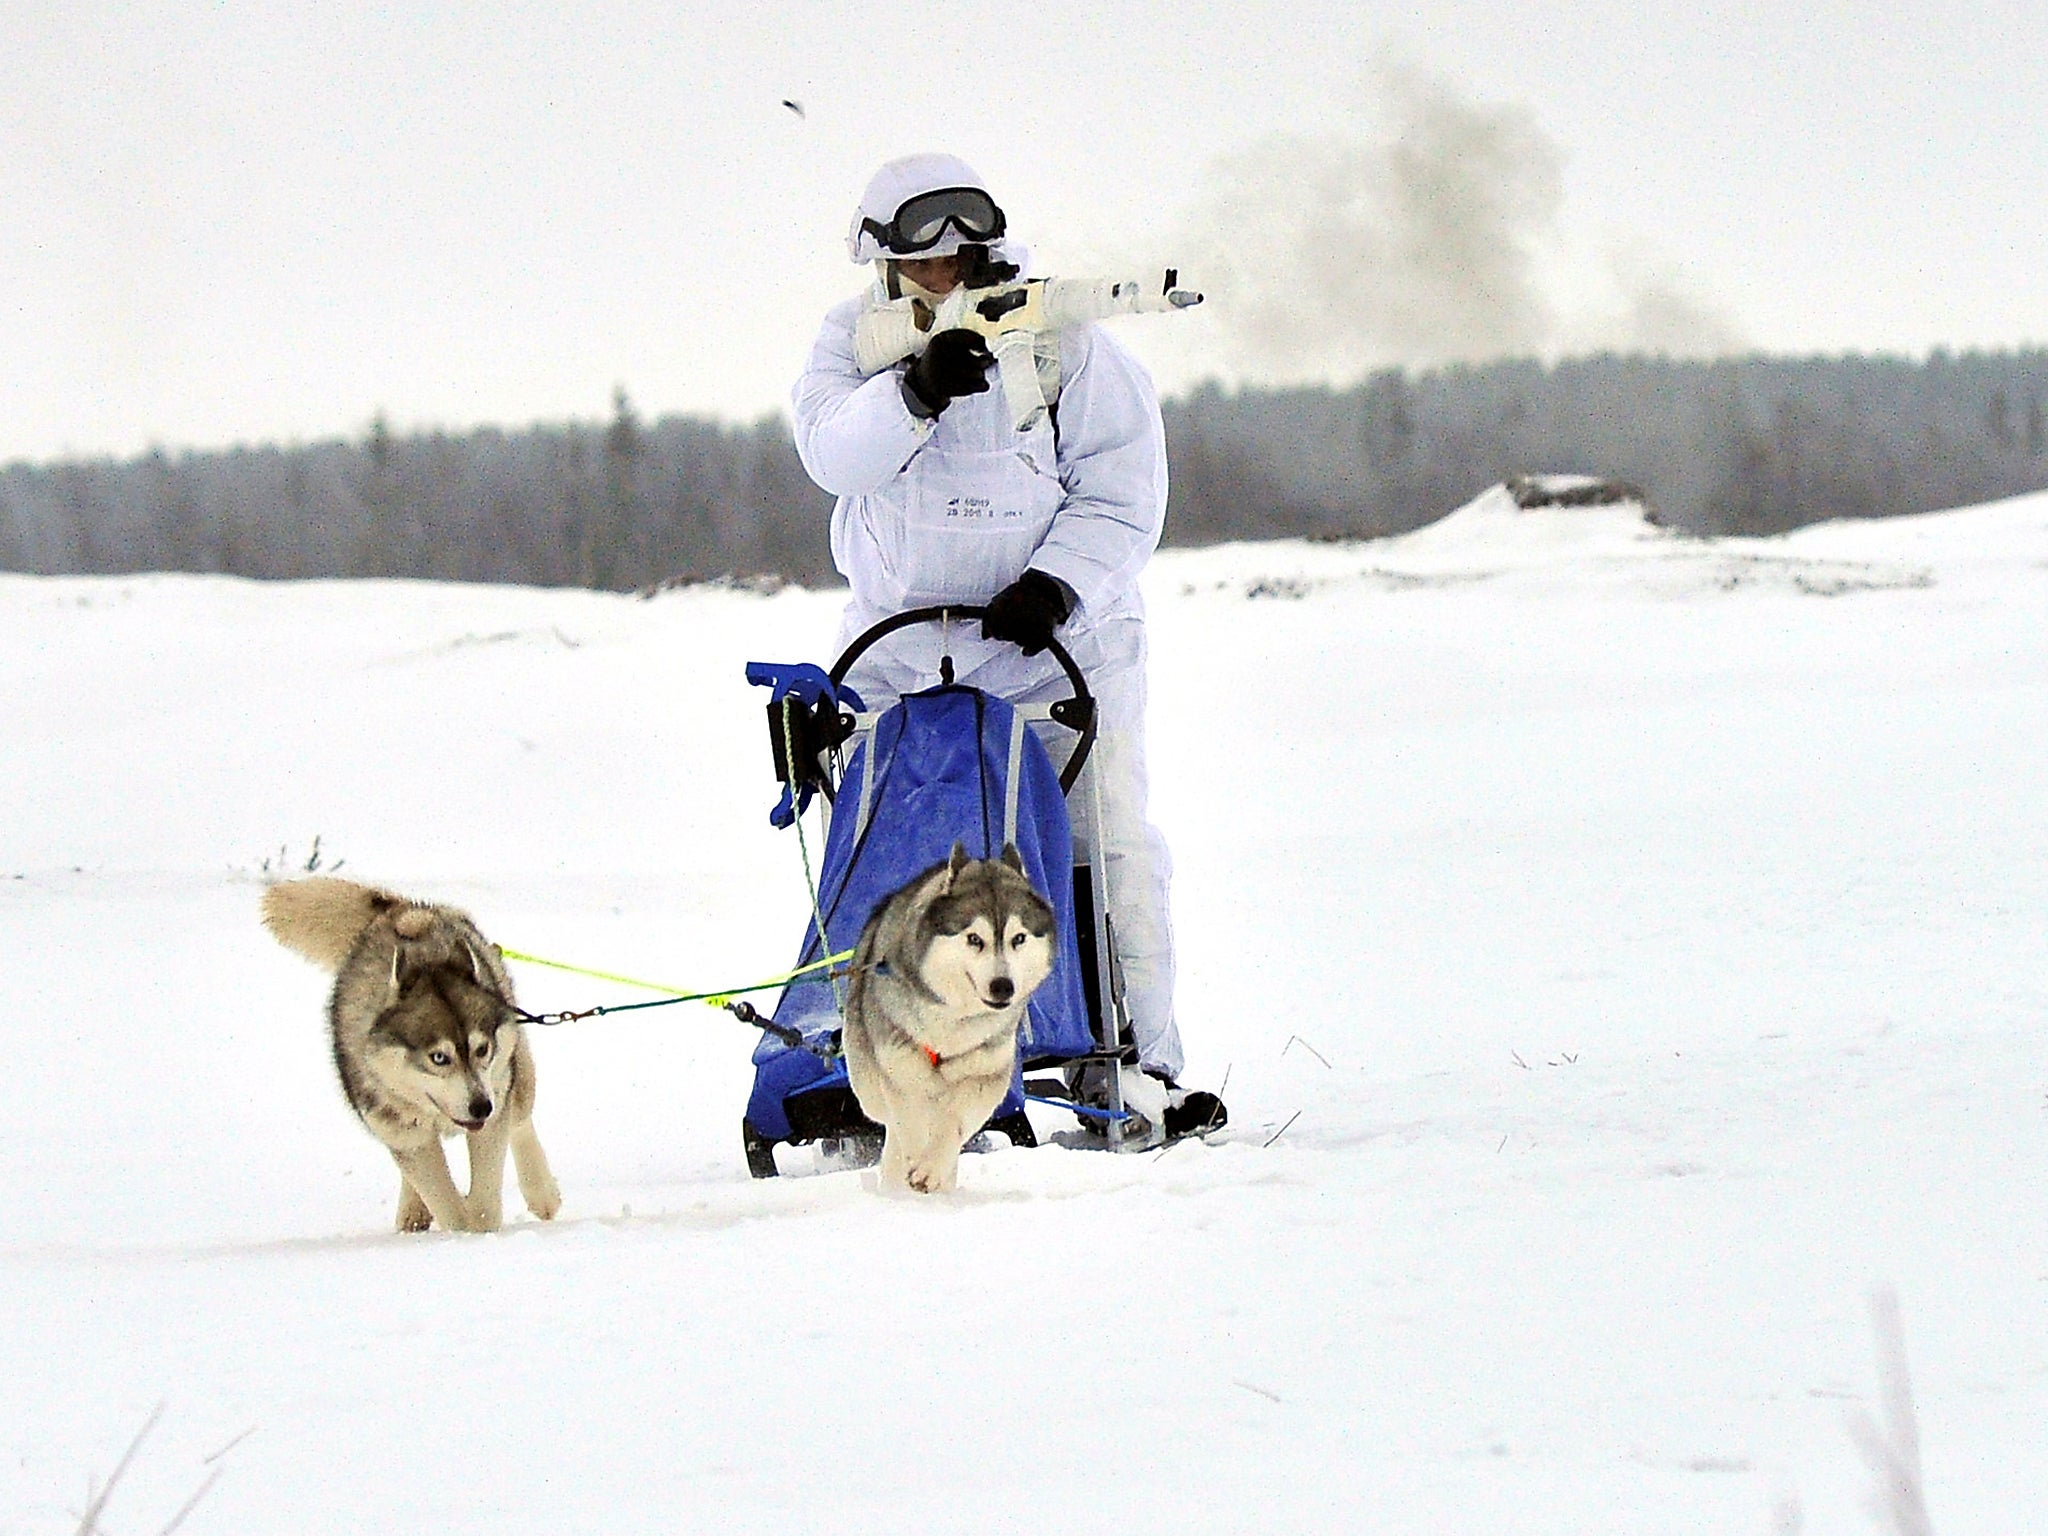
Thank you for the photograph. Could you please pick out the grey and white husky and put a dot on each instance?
(941, 975)
(428, 1044)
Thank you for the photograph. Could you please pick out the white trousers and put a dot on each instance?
(1137, 868)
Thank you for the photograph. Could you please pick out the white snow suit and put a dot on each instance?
(953, 509)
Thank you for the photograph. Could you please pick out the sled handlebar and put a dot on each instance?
(1077, 713)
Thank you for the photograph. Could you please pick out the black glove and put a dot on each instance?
(1027, 611)
(953, 363)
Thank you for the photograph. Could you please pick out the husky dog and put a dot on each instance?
(427, 1043)
(940, 979)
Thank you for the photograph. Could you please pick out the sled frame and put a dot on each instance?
(1094, 1080)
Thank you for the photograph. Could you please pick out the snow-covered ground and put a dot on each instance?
(1625, 955)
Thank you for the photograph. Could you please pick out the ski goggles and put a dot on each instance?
(922, 222)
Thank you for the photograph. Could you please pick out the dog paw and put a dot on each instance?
(932, 1178)
(544, 1203)
(413, 1215)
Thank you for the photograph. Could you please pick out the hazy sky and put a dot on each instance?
(267, 222)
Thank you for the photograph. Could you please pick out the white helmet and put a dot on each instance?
(923, 206)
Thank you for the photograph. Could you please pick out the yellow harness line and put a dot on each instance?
(678, 994)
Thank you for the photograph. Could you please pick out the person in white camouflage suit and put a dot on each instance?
(941, 499)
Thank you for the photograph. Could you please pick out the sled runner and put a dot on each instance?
(902, 786)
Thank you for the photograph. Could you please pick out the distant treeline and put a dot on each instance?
(1754, 445)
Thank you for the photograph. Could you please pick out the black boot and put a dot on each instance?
(1192, 1112)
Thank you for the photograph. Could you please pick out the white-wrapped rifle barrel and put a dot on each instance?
(1012, 316)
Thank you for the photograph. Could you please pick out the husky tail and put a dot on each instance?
(321, 917)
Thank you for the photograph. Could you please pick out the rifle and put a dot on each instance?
(1011, 315)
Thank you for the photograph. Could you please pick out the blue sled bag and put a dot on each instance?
(952, 764)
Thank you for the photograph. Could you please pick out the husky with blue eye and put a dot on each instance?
(427, 1042)
(941, 975)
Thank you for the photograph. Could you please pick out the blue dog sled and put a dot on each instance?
(902, 786)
